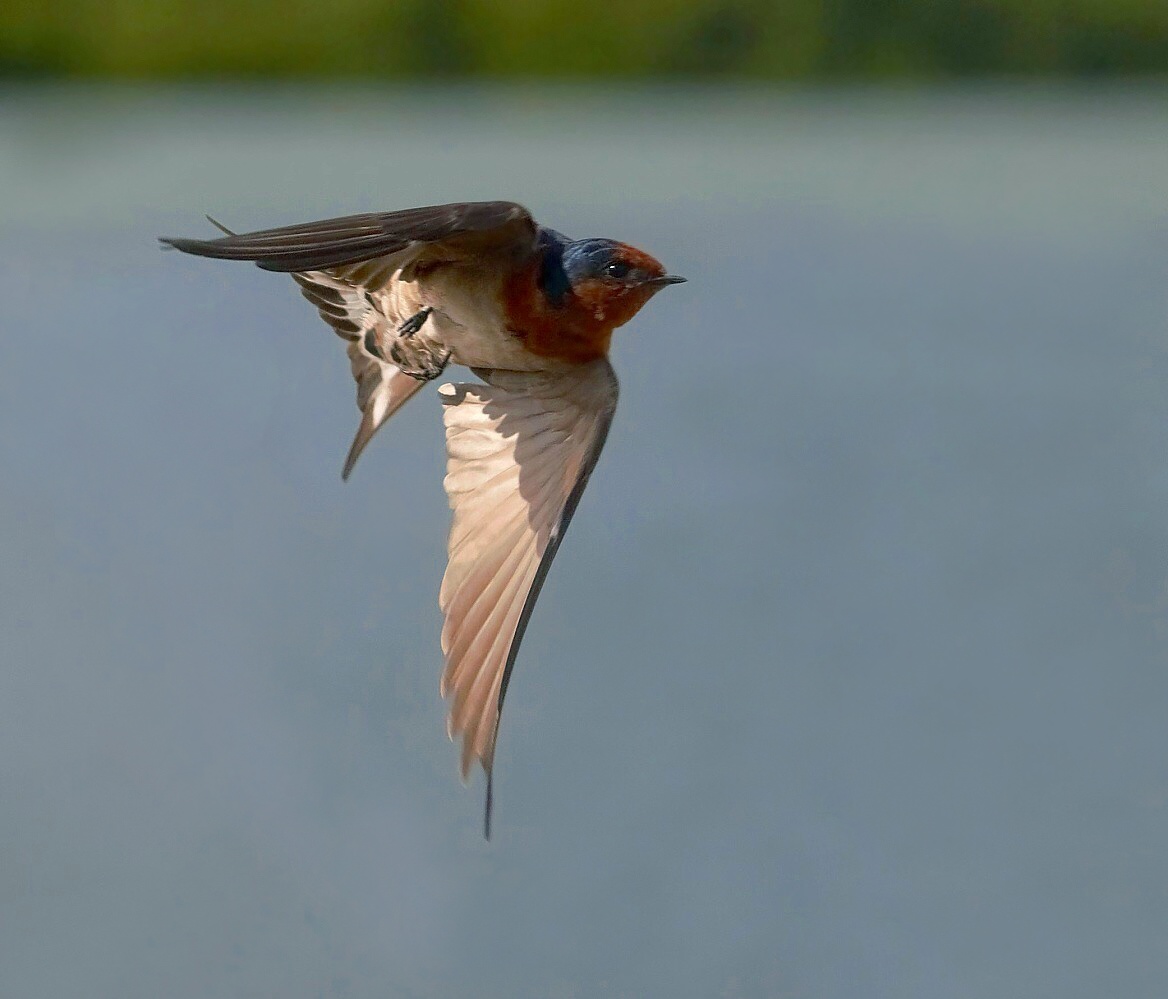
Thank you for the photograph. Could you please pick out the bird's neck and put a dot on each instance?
(560, 323)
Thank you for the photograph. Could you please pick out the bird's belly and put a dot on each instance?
(479, 338)
(468, 320)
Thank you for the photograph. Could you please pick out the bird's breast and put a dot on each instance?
(574, 331)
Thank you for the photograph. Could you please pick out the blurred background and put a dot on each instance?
(638, 39)
(851, 677)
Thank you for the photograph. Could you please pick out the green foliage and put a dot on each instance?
(759, 39)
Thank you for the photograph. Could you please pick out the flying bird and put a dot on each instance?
(531, 313)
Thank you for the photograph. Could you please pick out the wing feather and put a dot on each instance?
(343, 264)
(347, 293)
(351, 304)
(333, 243)
(520, 450)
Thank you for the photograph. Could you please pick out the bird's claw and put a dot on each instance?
(415, 322)
(416, 356)
(419, 359)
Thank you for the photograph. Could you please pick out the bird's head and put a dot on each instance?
(613, 280)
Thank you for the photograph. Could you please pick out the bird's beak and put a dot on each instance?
(661, 282)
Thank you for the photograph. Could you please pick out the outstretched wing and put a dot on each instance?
(438, 231)
(343, 266)
(520, 450)
(348, 300)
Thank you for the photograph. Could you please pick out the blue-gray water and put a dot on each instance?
(851, 679)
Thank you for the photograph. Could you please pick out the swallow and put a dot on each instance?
(531, 313)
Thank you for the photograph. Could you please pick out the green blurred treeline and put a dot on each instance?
(751, 39)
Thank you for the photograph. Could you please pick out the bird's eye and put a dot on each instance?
(617, 269)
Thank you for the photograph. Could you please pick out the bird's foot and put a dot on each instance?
(419, 358)
(415, 322)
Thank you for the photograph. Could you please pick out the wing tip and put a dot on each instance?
(197, 247)
(194, 245)
(364, 435)
(488, 805)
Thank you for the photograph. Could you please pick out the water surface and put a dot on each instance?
(850, 680)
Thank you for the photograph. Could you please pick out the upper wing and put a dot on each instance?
(443, 231)
(343, 265)
(520, 451)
